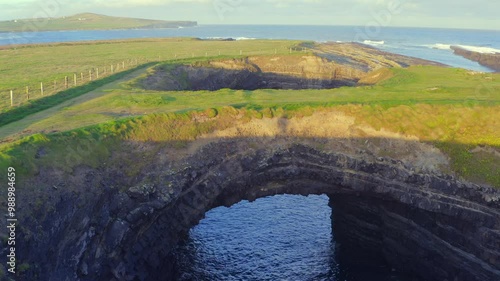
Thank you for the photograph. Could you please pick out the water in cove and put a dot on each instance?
(284, 237)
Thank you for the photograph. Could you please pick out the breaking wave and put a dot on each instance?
(374, 43)
(477, 49)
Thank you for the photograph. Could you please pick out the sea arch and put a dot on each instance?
(428, 225)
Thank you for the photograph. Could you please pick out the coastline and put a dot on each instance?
(99, 29)
(491, 61)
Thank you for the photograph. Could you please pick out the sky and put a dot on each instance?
(475, 14)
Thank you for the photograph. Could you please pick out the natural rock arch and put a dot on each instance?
(431, 226)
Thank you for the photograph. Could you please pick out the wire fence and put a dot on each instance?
(10, 98)
(36, 90)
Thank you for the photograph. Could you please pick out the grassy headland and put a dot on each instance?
(87, 21)
(455, 110)
(31, 64)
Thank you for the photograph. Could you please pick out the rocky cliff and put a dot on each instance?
(332, 65)
(100, 224)
(364, 57)
(277, 72)
(489, 60)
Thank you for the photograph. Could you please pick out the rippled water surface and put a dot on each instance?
(283, 237)
(275, 238)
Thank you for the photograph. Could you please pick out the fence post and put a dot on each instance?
(97, 73)
(66, 82)
(90, 75)
(28, 92)
(74, 79)
(41, 87)
(81, 77)
(55, 86)
(11, 98)
(123, 64)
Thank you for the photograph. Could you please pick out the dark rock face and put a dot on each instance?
(191, 78)
(431, 226)
(489, 60)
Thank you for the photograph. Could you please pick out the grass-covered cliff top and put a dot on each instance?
(29, 65)
(87, 21)
(454, 110)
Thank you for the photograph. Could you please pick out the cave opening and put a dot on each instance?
(383, 218)
(280, 237)
(282, 73)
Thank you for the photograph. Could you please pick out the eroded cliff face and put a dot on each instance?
(103, 224)
(491, 61)
(277, 72)
(364, 57)
(332, 65)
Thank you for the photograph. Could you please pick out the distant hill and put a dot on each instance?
(87, 21)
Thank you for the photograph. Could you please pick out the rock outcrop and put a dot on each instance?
(364, 57)
(112, 227)
(279, 72)
(489, 60)
(333, 65)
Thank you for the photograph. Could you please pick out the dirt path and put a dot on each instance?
(16, 129)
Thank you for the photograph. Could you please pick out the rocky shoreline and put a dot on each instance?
(99, 224)
(489, 60)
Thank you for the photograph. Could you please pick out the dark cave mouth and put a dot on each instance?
(195, 78)
(196, 255)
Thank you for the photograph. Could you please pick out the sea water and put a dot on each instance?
(283, 237)
(426, 43)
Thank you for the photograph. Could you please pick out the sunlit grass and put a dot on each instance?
(453, 109)
(32, 64)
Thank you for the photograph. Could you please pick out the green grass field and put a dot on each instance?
(417, 85)
(454, 109)
(85, 21)
(32, 64)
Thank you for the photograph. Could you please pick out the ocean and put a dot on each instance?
(426, 43)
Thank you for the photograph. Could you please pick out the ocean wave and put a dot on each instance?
(482, 50)
(228, 38)
(439, 46)
(375, 43)
(215, 38)
(244, 38)
(477, 49)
